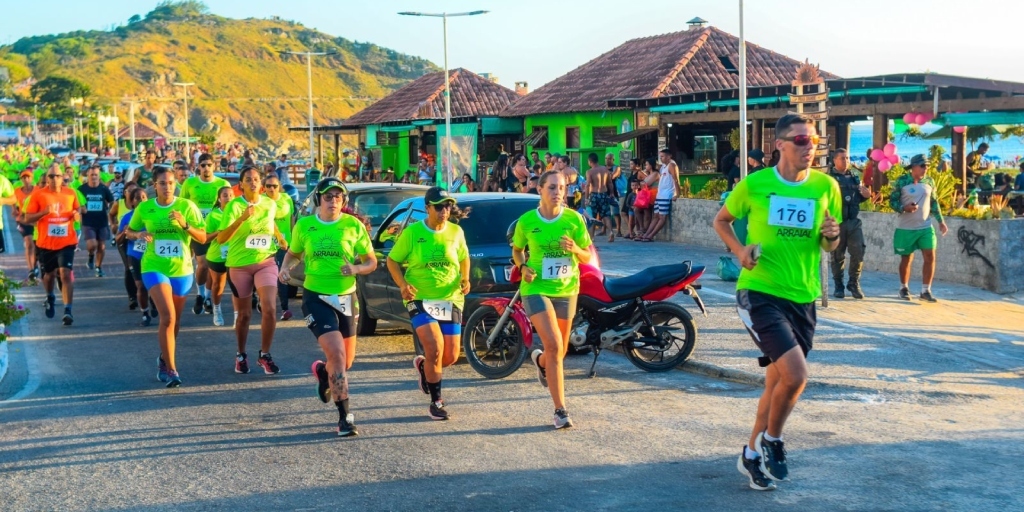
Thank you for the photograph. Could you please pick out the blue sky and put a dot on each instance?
(538, 41)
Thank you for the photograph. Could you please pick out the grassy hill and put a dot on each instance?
(245, 89)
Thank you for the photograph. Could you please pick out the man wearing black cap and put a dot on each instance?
(755, 161)
(851, 236)
(913, 198)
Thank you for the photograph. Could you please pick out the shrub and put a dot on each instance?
(10, 310)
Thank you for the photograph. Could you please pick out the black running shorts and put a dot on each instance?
(322, 318)
(776, 324)
(49, 260)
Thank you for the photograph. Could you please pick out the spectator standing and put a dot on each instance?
(851, 234)
(913, 196)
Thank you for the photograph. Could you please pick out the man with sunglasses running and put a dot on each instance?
(54, 210)
(202, 190)
(793, 214)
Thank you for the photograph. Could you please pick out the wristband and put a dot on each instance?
(831, 238)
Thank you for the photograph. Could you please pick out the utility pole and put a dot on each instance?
(309, 84)
(131, 123)
(185, 86)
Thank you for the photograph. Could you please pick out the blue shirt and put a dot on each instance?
(131, 243)
(1018, 183)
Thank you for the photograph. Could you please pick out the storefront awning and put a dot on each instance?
(535, 137)
(622, 137)
(397, 128)
(501, 126)
(981, 118)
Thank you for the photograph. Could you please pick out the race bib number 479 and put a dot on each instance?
(257, 242)
(791, 213)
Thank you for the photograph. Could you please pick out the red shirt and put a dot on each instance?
(57, 228)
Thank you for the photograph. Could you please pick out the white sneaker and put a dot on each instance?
(218, 316)
(542, 377)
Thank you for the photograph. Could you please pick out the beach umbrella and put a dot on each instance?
(974, 133)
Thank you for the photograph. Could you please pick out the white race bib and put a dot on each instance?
(94, 206)
(556, 268)
(439, 309)
(57, 230)
(341, 303)
(790, 212)
(224, 252)
(205, 212)
(167, 248)
(139, 246)
(257, 242)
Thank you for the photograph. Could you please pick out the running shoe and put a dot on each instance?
(347, 426)
(542, 376)
(287, 315)
(417, 363)
(267, 363)
(773, 458)
(152, 310)
(752, 470)
(241, 363)
(562, 419)
(161, 370)
(133, 304)
(905, 293)
(91, 264)
(50, 310)
(99, 272)
(146, 319)
(218, 316)
(207, 306)
(927, 297)
(437, 411)
(173, 380)
(68, 319)
(197, 307)
(323, 387)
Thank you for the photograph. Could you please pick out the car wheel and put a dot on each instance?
(365, 324)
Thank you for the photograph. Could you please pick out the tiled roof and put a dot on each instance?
(695, 60)
(423, 98)
(142, 131)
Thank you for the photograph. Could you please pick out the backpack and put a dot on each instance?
(643, 198)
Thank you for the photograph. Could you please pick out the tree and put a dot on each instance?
(56, 92)
(134, 19)
(171, 10)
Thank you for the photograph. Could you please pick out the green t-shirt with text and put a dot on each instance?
(325, 247)
(785, 218)
(557, 271)
(254, 240)
(202, 193)
(169, 252)
(432, 261)
(216, 253)
(6, 190)
(283, 219)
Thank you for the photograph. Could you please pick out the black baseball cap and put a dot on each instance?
(329, 183)
(918, 160)
(437, 195)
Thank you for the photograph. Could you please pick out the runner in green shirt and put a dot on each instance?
(170, 223)
(202, 190)
(283, 219)
(335, 247)
(434, 285)
(217, 253)
(558, 241)
(249, 231)
(793, 214)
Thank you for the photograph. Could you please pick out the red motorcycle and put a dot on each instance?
(631, 311)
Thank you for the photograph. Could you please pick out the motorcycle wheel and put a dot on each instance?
(507, 353)
(679, 347)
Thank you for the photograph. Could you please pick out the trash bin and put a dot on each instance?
(312, 178)
(740, 225)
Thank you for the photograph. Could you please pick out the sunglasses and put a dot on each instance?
(271, 186)
(447, 205)
(803, 140)
(332, 197)
(55, 176)
(206, 165)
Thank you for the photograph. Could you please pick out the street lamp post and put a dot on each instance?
(447, 85)
(309, 84)
(184, 87)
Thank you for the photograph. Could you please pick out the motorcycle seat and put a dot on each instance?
(646, 281)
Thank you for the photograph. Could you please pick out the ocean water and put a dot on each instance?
(1003, 152)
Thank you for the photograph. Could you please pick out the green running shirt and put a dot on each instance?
(283, 219)
(324, 247)
(169, 252)
(432, 261)
(202, 193)
(557, 271)
(785, 218)
(216, 253)
(254, 240)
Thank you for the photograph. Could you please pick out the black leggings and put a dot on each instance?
(129, 281)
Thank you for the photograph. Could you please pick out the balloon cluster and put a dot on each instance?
(959, 129)
(886, 157)
(917, 118)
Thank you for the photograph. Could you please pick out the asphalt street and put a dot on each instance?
(84, 425)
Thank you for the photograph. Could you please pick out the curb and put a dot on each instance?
(719, 372)
(3, 360)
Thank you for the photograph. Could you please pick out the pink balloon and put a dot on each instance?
(959, 129)
(889, 149)
(893, 159)
(909, 118)
(884, 165)
(877, 155)
(920, 119)
(928, 117)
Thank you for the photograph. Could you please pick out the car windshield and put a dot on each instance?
(377, 204)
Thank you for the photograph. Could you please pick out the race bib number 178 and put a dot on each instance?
(556, 268)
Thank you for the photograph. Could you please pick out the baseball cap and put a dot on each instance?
(756, 154)
(437, 195)
(330, 183)
(918, 159)
(26, 173)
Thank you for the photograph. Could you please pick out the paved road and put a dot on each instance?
(86, 426)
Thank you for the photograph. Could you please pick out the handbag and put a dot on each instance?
(643, 198)
(727, 270)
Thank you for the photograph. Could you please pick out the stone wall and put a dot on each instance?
(986, 254)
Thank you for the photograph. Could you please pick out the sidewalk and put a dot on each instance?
(969, 324)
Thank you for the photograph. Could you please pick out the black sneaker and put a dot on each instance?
(855, 291)
(323, 387)
(839, 294)
(152, 310)
(197, 307)
(91, 263)
(267, 363)
(241, 363)
(752, 470)
(773, 458)
(50, 310)
(146, 319)
(562, 419)
(208, 306)
(133, 304)
(927, 297)
(417, 363)
(904, 293)
(68, 319)
(347, 426)
(437, 411)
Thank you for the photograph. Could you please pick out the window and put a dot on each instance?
(487, 221)
(387, 138)
(414, 150)
(572, 137)
(727, 63)
(538, 138)
(601, 133)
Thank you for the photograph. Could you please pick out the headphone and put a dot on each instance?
(323, 186)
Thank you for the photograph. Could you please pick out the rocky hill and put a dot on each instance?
(245, 88)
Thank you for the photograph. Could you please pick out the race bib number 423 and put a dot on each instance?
(791, 213)
(167, 248)
(257, 242)
(556, 268)
(57, 230)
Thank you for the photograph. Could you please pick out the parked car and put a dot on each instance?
(373, 201)
(490, 255)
